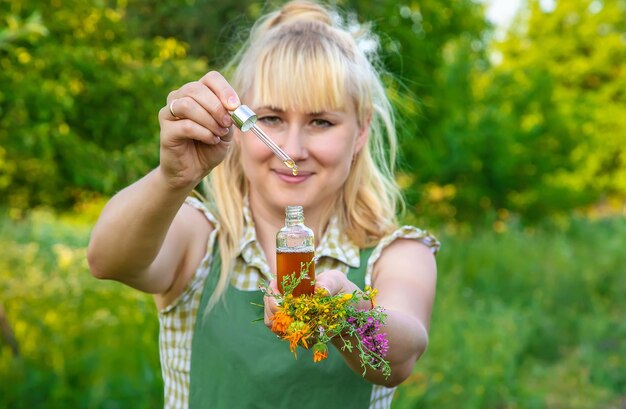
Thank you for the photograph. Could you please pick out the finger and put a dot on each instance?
(323, 281)
(172, 111)
(269, 310)
(267, 318)
(273, 285)
(271, 306)
(273, 289)
(210, 102)
(332, 282)
(270, 302)
(320, 283)
(188, 107)
(191, 130)
(206, 98)
(186, 129)
(222, 89)
(229, 135)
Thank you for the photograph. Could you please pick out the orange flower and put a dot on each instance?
(280, 322)
(320, 352)
(297, 332)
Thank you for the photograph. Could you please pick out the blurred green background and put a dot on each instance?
(513, 154)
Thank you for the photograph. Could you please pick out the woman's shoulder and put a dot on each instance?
(406, 244)
(203, 208)
(411, 233)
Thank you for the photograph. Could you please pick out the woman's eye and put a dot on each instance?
(321, 123)
(269, 120)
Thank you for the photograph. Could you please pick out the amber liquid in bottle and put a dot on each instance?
(295, 250)
(294, 262)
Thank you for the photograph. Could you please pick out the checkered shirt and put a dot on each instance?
(177, 320)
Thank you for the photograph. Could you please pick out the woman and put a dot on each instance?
(318, 96)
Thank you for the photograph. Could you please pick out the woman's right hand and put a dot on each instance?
(197, 138)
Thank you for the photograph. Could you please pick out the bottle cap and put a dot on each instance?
(243, 117)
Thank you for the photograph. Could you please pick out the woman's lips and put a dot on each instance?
(288, 177)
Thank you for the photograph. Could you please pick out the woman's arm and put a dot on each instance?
(405, 277)
(141, 235)
(144, 236)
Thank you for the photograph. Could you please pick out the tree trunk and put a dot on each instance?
(7, 333)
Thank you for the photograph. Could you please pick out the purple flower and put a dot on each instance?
(372, 340)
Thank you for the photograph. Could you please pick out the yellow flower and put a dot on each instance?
(316, 318)
(372, 295)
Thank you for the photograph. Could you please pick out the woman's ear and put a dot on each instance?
(363, 135)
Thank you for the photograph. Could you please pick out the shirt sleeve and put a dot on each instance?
(404, 232)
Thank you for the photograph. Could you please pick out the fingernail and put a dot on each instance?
(233, 101)
(227, 121)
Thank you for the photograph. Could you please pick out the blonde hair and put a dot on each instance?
(288, 52)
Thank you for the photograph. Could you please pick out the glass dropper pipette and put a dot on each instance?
(245, 119)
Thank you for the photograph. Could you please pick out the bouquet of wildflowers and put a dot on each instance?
(314, 319)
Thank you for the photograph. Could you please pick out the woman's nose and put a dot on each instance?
(293, 142)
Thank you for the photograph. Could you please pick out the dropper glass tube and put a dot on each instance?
(245, 119)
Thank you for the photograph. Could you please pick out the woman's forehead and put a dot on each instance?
(346, 108)
(302, 96)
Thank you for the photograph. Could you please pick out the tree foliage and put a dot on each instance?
(530, 124)
(545, 126)
(79, 96)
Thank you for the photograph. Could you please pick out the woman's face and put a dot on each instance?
(322, 144)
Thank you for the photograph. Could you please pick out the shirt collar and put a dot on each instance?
(249, 247)
(334, 243)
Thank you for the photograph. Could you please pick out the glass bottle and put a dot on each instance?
(295, 249)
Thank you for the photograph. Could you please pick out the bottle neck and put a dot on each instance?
(294, 222)
(294, 215)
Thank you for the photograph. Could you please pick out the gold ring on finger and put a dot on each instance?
(171, 108)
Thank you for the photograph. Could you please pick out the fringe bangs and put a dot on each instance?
(309, 80)
(303, 66)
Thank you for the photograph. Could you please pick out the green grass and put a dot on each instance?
(527, 320)
(523, 319)
(83, 343)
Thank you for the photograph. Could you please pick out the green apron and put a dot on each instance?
(238, 363)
